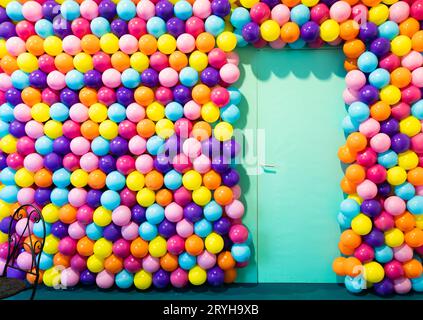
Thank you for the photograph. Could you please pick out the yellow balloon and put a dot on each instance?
(79, 178)
(4, 210)
(329, 30)
(102, 216)
(3, 50)
(24, 178)
(197, 276)
(53, 129)
(155, 111)
(51, 277)
(95, 264)
(379, 14)
(165, 128)
(419, 220)
(309, 3)
(389, 1)
(139, 61)
(373, 272)
(223, 131)
(3, 237)
(51, 244)
(201, 196)
(143, 280)
(210, 112)
(198, 60)
(157, 247)
(40, 112)
(50, 213)
(356, 198)
(361, 224)
(109, 43)
(390, 94)
(394, 237)
(401, 45)
(53, 45)
(108, 129)
(83, 62)
(27, 62)
(270, 30)
(135, 181)
(103, 248)
(146, 197)
(408, 160)
(166, 44)
(227, 41)
(396, 176)
(192, 180)
(8, 144)
(97, 112)
(410, 126)
(249, 3)
(4, 3)
(214, 243)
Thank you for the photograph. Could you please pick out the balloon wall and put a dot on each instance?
(117, 121)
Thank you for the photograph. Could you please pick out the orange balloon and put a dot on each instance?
(90, 44)
(352, 266)
(346, 155)
(414, 238)
(225, 260)
(380, 111)
(113, 264)
(154, 180)
(34, 45)
(338, 266)
(61, 260)
(139, 248)
(201, 130)
(371, 3)
(120, 61)
(146, 128)
(350, 239)
(409, 27)
(212, 180)
(415, 176)
(30, 277)
(290, 32)
(96, 179)
(230, 276)
(67, 214)
(401, 77)
(291, 3)
(169, 262)
(9, 64)
(201, 93)
(194, 245)
(178, 60)
(353, 48)
(32, 242)
(349, 30)
(85, 247)
(412, 269)
(223, 195)
(90, 129)
(88, 96)
(405, 222)
(417, 41)
(347, 186)
(43, 178)
(164, 197)
(205, 42)
(144, 96)
(355, 173)
(147, 44)
(344, 249)
(30, 96)
(357, 141)
(350, 64)
(63, 62)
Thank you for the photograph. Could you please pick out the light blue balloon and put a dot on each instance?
(116, 112)
(130, 78)
(4, 128)
(359, 111)
(343, 221)
(7, 176)
(155, 214)
(174, 111)
(70, 10)
(417, 284)
(44, 145)
(110, 199)
(405, 191)
(203, 228)
(214, 25)
(298, 44)
(349, 125)
(235, 96)
(182, 10)
(388, 30)
(156, 26)
(188, 76)
(74, 79)
(100, 26)
(155, 145)
(20, 79)
(59, 112)
(147, 231)
(212, 211)
(61, 178)
(186, 261)
(115, 181)
(240, 41)
(6, 113)
(126, 10)
(14, 11)
(349, 208)
(379, 78)
(44, 28)
(9, 194)
(59, 196)
(417, 109)
(94, 231)
(230, 113)
(240, 17)
(384, 254)
(124, 279)
(241, 252)
(388, 159)
(367, 62)
(46, 261)
(300, 14)
(172, 180)
(415, 205)
(354, 285)
(39, 231)
(100, 146)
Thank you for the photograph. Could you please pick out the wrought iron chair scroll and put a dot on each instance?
(33, 246)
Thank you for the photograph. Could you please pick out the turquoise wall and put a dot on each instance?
(296, 97)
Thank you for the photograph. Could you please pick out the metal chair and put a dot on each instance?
(24, 240)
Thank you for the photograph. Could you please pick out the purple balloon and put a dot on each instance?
(112, 232)
(384, 288)
(17, 129)
(380, 46)
(175, 26)
(400, 142)
(251, 32)
(7, 30)
(222, 226)
(42, 196)
(59, 229)
(93, 198)
(220, 164)
(69, 97)
(13, 96)
(38, 79)
(162, 163)
(193, 212)
(310, 31)
(107, 9)
(5, 224)
(50, 10)
(164, 9)
(161, 279)
(375, 238)
(92, 79)
(107, 164)
(384, 189)
(87, 277)
(210, 76)
(138, 214)
(389, 127)
(271, 3)
(368, 94)
(167, 228)
(124, 96)
(371, 207)
(368, 31)
(119, 27)
(119, 146)
(61, 145)
(230, 178)
(61, 27)
(150, 77)
(221, 8)
(181, 94)
(3, 162)
(215, 276)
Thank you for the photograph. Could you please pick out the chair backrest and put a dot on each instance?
(21, 236)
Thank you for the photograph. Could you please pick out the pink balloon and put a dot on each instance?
(184, 228)
(235, 209)
(417, 77)
(201, 9)
(146, 9)
(367, 189)
(144, 163)
(130, 231)
(174, 212)
(394, 205)
(355, 79)
(340, 11)
(281, 14)
(399, 11)
(69, 277)
(105, 279)
(121, 216)
(128, 44)
(381, 142)
(185, 43)
(150, 264)
(71, 45)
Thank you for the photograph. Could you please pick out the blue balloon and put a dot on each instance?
(235, 96)
(4, 128)
(174, 111)
(241, 252)
(240, 17)
(74, 79)
(14, 11)
(59, 196)
(298, 44)
(186, 261)
(59, 112)
(417, 284)
(300, 14)
(349, 125)
(46, 261)
(110, 199)
(203, 228)
(9, 194)
(359, 111)
(415, 205)
(115, 181)
(155, 213)
(100, 146)
(147, 231)
(94, 231)
(388, 159)
(355, 285)
(182, 10)
(417, 109)
(39, 230)
(20, 79)
(155, 145)
(116, 112)
(6, 113)
(100, 26)
(349, 208)
(230, 113)
(7, 176)
(214, 25)
(61, 178)
(44, 28)
(44, 145)
(130, 78)
(70, 10)
(367, 62)
(172, 180)
(388, 30)
(126, 10)
(384, 254)
(379, 78)
(188, 76)
(212, 211)
(405, 191)
(156, 26)
(124, 279)
(343, 221)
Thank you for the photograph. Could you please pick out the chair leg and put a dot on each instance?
(34, 289)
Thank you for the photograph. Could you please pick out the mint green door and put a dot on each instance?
(292, 205)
